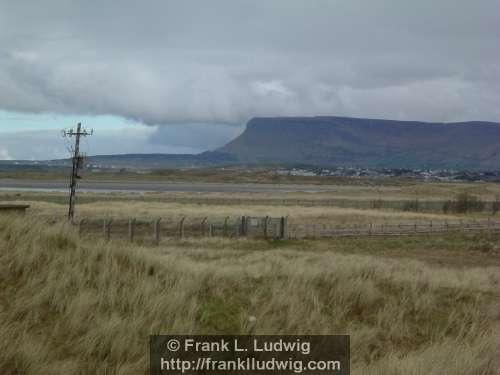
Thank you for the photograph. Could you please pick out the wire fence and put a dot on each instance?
(264, 227)
(387, 229)
(157, 229)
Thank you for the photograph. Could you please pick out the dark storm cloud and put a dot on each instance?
(222, 62)
(197, 137)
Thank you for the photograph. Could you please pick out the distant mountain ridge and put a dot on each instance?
(330, 141)
(139, 161)
(340, 141)
(158, 161)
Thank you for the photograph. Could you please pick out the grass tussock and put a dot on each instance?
(75, 307)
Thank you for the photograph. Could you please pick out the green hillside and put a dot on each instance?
(366, 142)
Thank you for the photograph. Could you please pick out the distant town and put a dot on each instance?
(353, 172)
(421, 174)
(418, 174)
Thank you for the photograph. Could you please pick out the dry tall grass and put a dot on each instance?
(70, 307)
(147, 210)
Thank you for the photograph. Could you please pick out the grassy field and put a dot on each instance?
(123, 209)
(348, 205)
(236, 174)
(423, 305)
(412, 305)
(360, 187)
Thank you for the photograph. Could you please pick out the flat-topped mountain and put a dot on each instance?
(327, 141)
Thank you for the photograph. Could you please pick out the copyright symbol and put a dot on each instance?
(173, 345)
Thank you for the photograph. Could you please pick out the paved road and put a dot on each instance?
(152, 186)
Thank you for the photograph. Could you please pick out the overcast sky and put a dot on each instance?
(186, 75)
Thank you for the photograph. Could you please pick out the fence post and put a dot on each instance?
(210, 230)
(107, 229)
(80, 227)
(237, 227)
(284, 228)
(181, 227)
(131, 229)
(247, 224)
(203, 226)
(243, 226)
(266, 222)
(157, 231)
(370, 230)
(415, 227)
(225, 230)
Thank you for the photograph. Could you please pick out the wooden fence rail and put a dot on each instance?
(264, 227)
(387, 229)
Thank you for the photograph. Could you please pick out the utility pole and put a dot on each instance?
(77, 161)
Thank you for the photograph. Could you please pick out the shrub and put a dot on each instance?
(495, 206)
(412, 206)
(377, 204)
(464, 203)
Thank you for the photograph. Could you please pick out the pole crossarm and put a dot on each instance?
(72, 133)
